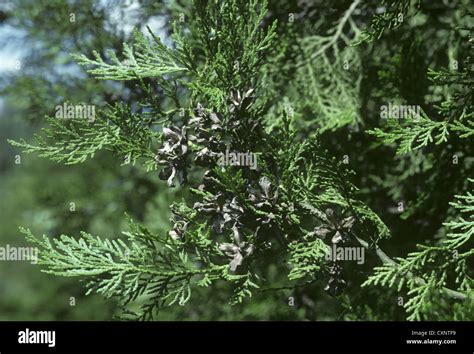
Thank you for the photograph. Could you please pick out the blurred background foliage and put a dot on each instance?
(38, 194)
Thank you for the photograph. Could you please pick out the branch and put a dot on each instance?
(333, 39)
(387, 260)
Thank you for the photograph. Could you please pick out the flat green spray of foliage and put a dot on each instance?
(239, 80)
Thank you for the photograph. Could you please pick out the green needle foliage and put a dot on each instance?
(147, 58)
(298, 96)
(419, 132)
(426, 271)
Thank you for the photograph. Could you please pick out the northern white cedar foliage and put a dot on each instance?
(225, 84)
